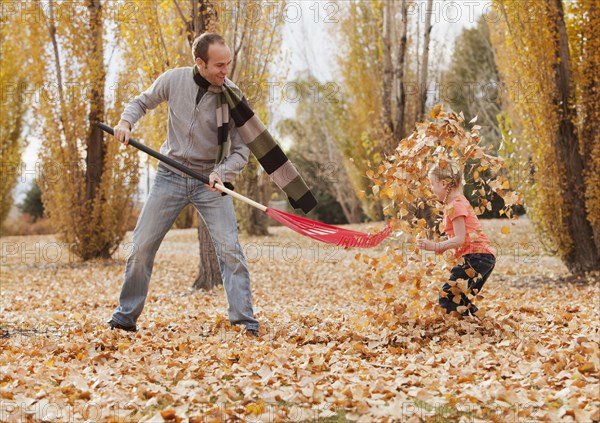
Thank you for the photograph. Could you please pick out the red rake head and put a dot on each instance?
(328, 233)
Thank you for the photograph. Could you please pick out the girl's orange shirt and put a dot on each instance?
(476, 242)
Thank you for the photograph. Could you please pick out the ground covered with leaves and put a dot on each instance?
(339, 341)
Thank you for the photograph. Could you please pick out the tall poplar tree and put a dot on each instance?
(548, 54)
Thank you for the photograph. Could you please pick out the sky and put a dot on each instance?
(310, 23)
(308, 44)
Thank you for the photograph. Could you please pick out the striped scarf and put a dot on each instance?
(231, 102)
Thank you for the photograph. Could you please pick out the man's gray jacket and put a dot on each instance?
(192, 128)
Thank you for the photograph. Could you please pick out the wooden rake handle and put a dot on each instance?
(184, 169)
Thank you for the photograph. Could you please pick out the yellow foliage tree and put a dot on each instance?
(375, 76)
(366, 126)
(548, 58)
(13, 84)
(87, 186)
(582, 28)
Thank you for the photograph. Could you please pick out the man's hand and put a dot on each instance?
(213, 179)
(122, 131)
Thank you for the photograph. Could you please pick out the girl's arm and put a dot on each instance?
(456, 241)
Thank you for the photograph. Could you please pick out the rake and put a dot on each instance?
(320, 231)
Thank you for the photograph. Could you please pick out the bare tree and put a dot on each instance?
(388, 70)
(399, 127)
(314, 130)
(425, 62)
(94, 143)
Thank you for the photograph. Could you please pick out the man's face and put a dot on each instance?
(219, 59)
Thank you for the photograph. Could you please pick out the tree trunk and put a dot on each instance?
(388, 71)
(61, 96)
(582, 255)
(341, 191)
(203, 16)
(209, 273)
(400, 91)
(590, 114)
(257, 186)
(425, 70)
(11, 146)
(185, 220)
(95, 145)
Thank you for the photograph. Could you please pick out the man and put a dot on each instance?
(192, 136)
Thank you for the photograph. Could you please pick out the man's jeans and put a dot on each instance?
(482, 264)
(169, 195)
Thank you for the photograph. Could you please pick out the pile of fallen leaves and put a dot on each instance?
(335, 345)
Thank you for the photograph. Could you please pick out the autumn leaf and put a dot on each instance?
(463, 285)
(255, 409)
(169, 415)
(471, 273)
(588, 367)
(435, 111)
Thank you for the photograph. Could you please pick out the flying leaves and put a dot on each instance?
(401, 181)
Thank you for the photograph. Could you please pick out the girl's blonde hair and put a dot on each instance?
(448, 171)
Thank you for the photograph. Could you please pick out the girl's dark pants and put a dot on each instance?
(483, 264)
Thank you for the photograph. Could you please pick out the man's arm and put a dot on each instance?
(148, 100)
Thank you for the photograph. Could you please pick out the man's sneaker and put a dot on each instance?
(252, 332)
(114, 325)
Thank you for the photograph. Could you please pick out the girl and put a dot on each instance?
(464, 235)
